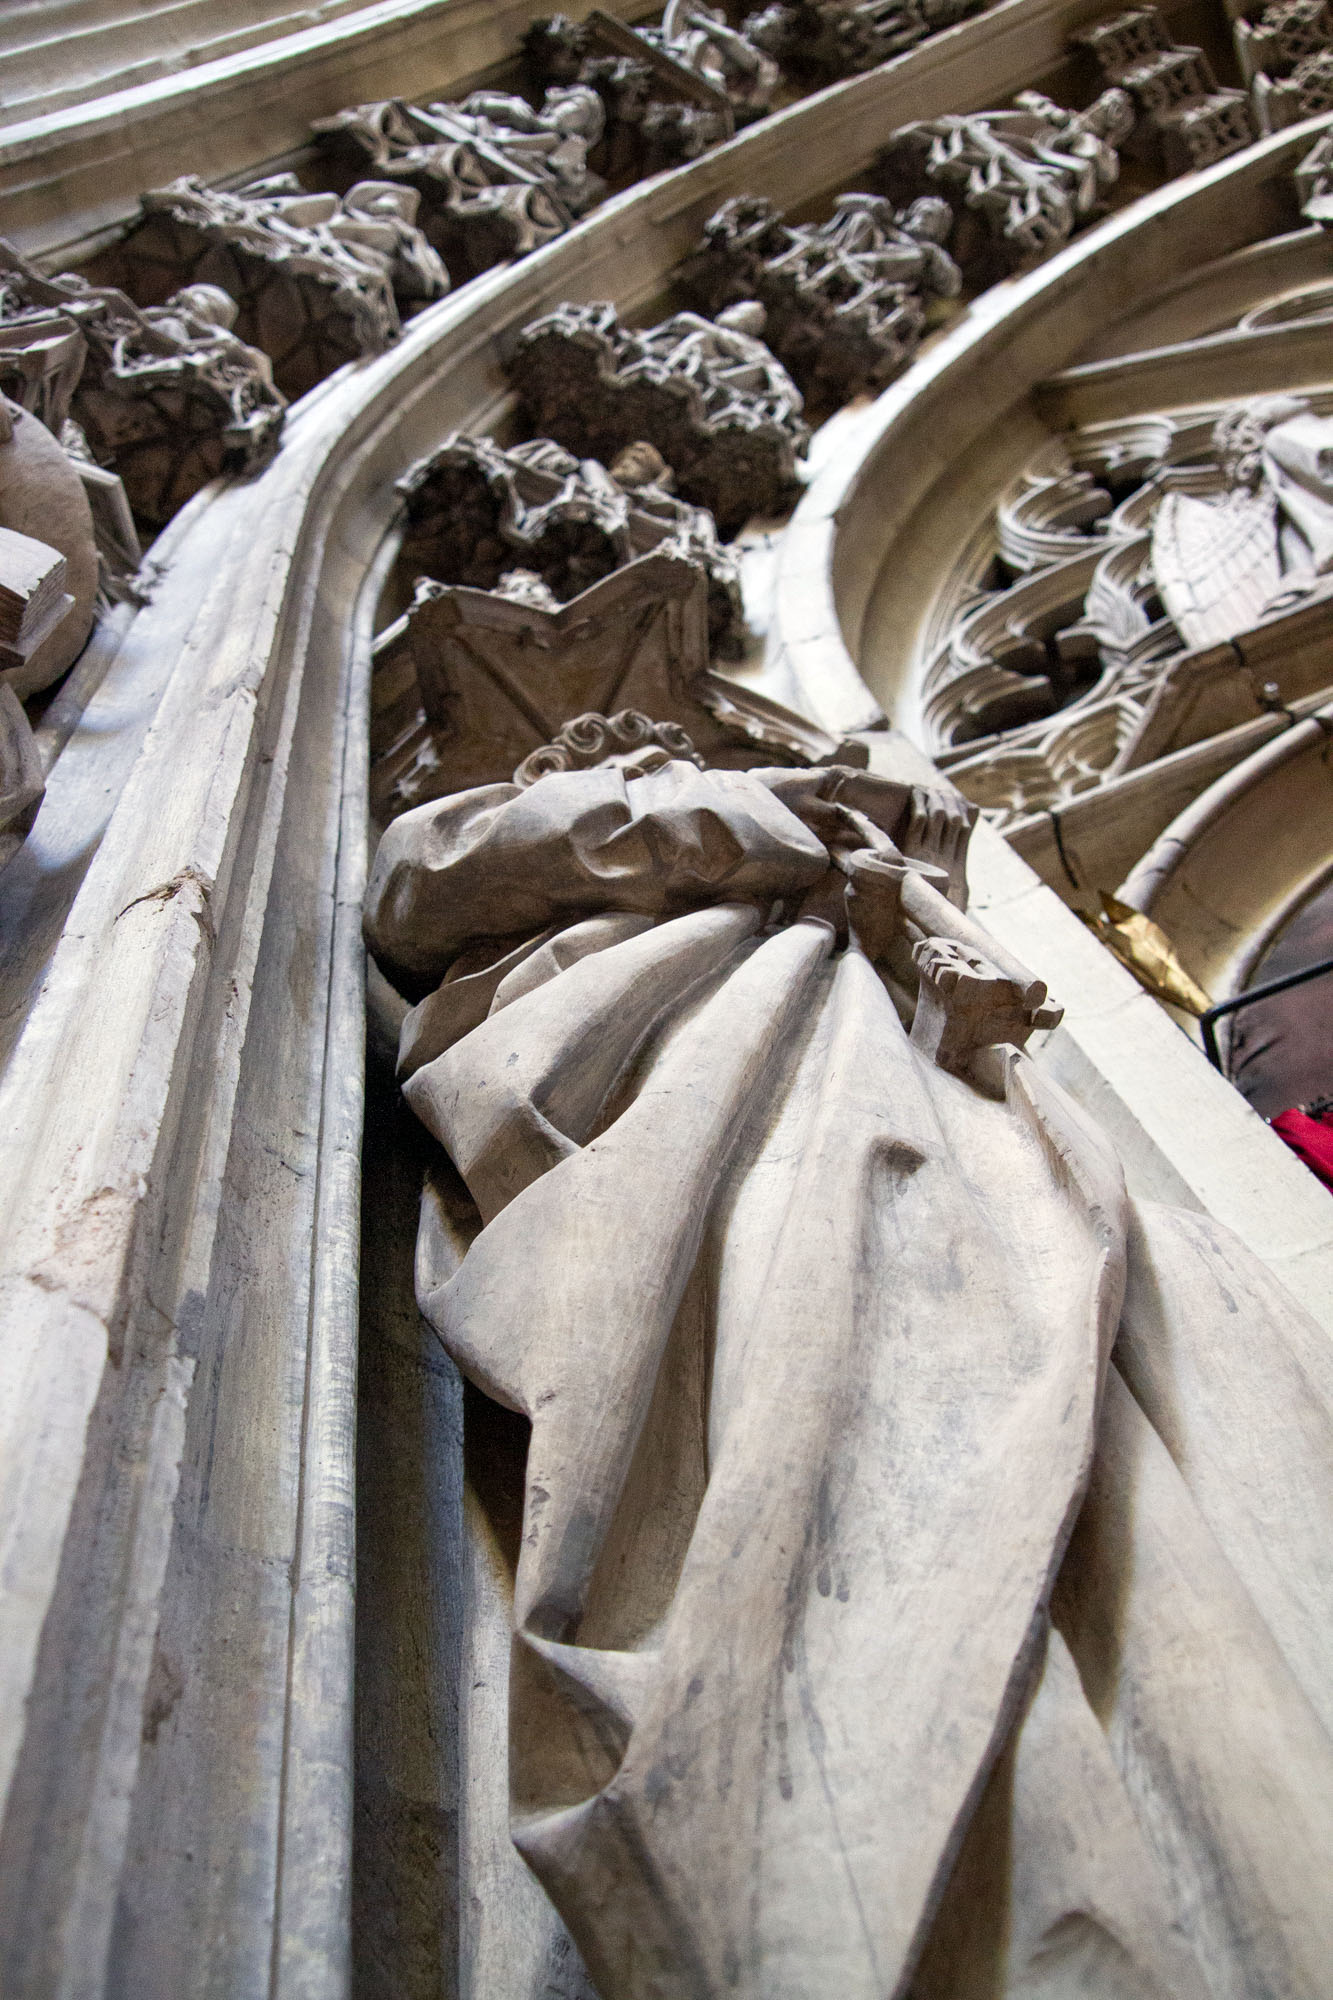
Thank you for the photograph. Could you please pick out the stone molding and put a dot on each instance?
(1254, 845)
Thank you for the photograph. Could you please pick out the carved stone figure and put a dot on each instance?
(318, 280)
(1224, 563)
(1112, 644)
(806, 1280)
(1188, 118)
(699, 39)
(1028, 175)
(1314, 182)
(22, 779)
(178, 399)
(168, 396)
(42, 353)
(668, 91)
(44, 505)
(48, 599)
(708, 393)
(42, 356)
(496, 179)
(846, 299)
(475, 510)
(832, 38)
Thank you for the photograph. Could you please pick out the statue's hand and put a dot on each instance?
(937, 829)
(926, 822)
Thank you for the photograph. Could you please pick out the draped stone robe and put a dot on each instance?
(812, 1336)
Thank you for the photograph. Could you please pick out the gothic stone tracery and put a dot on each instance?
(1139, 555)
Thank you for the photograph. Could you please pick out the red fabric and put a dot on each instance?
(1311, 1139)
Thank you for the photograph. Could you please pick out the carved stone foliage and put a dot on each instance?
(847, 300)
(471, 680)
(1189, 119)
(317, 279)
(1285, 52)
(669, 92)
(1156, 581)
(167, 396)
(477, 512)
(1018, 181)
(823, 39)
(495, 177)
(707, 393)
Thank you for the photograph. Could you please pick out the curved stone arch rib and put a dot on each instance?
(1233, 866)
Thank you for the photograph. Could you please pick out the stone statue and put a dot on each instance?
(49, 577)
(1266, 545)
(495, 178)
(831, 38)
(1032, 173)
(322, 279)
(22, 778)
(846, 299)
(162, 398)
(1314, 182)
(42, 358)
(378, 220)
(700, 39)
(726, 357)
(806, 1279)
(707, 393)
(668, 92)
(42, 353)
(555, 140)
(549, 583)
(175, 397)
(475, 510)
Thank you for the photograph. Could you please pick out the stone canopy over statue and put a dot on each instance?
(806, 1278)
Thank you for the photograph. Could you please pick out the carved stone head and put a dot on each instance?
(1239, 433)
(747, 317)
(929, 219)
(640, 465)
(208, 303)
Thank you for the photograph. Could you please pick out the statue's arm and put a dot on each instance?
(444, 873)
